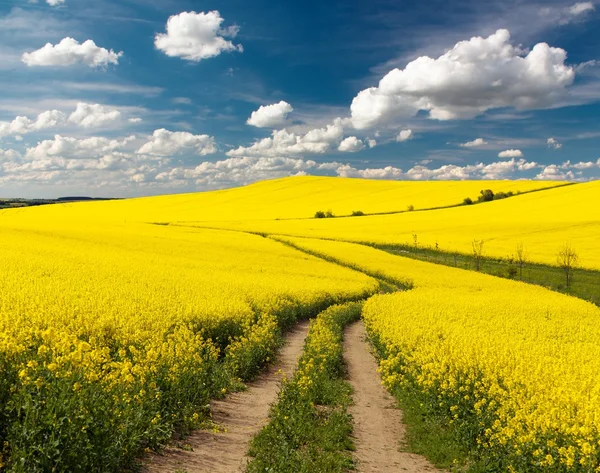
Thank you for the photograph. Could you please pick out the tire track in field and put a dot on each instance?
(378, 428)
(241, 416)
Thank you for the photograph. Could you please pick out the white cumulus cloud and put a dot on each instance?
(54, 3)
(475, 143)
(237, 171)
(388, 172)
(270, 116)
(22, 125)
(89, 115)
(283, 142)
(474, 76)
(351, 145)
(496, 170)
(195, 36)
(70, 147)
(166, 143)
(553, 143)
(404, 135)
(553, 172)
(69, 52)
(510, 153)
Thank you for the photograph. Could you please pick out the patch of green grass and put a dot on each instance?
(310, 428)
(586, 283)
(431, 435)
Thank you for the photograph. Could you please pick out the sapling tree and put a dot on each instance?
(567, 259)
(477, 246)
(521, 257)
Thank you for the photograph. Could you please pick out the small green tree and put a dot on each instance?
(521, 257)
(357, 213)
(477, 246)
(410, 208)
(319, 214)
(468, 201)
(487, 195)
(567, 259)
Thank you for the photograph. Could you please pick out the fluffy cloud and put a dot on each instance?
(404, 135)
(581, 8)
(54, 3)
(553, 172)
(282, 142)
(510, 153)
(8, 155)
(475, 76)
(85, 116)
(108, 166)
(389, 172)
(195, 36)
(580, 166)
(270, 116)
(496, 170)
(475, 143)
(69, 147)
(553, 143)
(22, 125)
(166, 143)
(565, 15)
(564, 171)
(237, 171)
(351, 145)
(69, 52)
(89, 115)
(370, 108)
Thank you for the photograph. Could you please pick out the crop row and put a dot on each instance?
(113, 338)
(513, 368)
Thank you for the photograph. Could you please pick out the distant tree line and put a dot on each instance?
(487, 195)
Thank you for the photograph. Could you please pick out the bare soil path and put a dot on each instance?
(241, 416)
(378, 428)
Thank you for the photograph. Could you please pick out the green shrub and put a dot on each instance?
(321, 214)
(487, 195)
(357, 213)
(503, 195)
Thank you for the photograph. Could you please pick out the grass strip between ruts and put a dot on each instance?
(310, 428)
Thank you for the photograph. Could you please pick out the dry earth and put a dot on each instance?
(378, 428)
(240, 416)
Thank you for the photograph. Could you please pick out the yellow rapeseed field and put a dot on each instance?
(515, 366)
(120, 320)
(542, 221)
(291, 197)
(114, 335)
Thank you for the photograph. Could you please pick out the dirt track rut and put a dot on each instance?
(241, 415)
(378, 428)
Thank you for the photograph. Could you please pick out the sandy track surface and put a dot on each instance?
(378, 428)
(241, 415)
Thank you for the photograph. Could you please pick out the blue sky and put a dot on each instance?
(162, 100)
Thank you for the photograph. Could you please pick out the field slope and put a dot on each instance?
(286, 198)
(543, 221)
